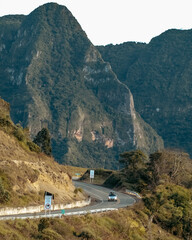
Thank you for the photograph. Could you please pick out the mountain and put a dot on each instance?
(159, 75)
(53, 76)
(25, 173)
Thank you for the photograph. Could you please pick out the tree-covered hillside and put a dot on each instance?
(54, 78)
(159, 76)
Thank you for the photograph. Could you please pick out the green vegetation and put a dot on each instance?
(22, 135)
(18, 133)
(4, 194)
(8, 197)
(170, 206)
(159, 75)
(133, 160)
(78, 190)
(43, 140)
(43, 224)
(121, 56)
(58, 80)
(170, 166)
(133, 174)
(127, 224)
(164, 180)
(33, 147)
(100, 175)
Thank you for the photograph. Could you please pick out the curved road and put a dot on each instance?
(95, 192)
(101, 193)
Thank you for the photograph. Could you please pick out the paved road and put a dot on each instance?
(98, 193)
(101, 193)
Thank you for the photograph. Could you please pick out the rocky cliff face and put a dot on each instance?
(57, 79)
(117, 99)
(159, 76)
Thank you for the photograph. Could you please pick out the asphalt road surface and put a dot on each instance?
(101, 194)
(98, 194)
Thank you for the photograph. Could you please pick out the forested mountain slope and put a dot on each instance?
(159, 75)
(54, 77)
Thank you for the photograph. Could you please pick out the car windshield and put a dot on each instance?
(112, 194)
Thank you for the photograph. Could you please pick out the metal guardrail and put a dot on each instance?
(59, 215)
(133, 193)
(91, 211)
(6, 211)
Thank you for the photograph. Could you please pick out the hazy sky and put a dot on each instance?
(117, 21)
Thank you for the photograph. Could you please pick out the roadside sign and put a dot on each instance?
(47, 206)
(47, 202)
(92, 173)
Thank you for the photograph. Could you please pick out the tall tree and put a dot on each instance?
(170, 166)
(135, 167)
(43, 140)
(133, 160)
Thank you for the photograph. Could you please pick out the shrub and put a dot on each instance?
(4, 122)
(171, 207)
(78, 190)
(86, 234)
(33, 147)
(43, 224)
(4, 194)
(18, 133)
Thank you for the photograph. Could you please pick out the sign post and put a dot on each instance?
(92, 172)
(48, 199)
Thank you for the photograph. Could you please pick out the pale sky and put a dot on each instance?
(117, 21)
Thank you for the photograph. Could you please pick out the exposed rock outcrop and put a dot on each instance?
(58, 79)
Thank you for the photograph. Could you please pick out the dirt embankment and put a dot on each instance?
(32, 173)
